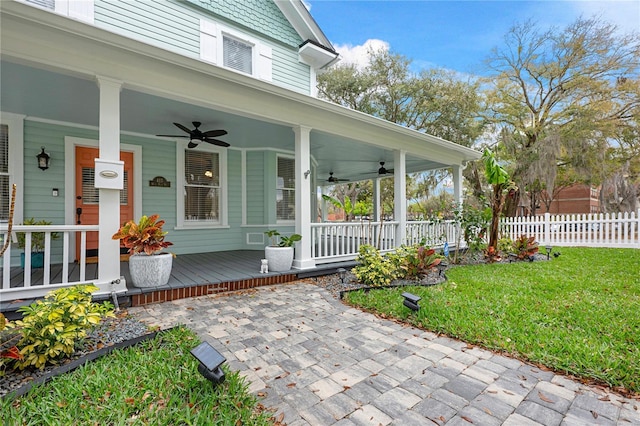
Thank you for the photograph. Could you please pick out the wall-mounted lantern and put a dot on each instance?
(43, 160)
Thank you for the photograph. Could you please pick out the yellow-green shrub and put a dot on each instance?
(374, 269)
(54, 326)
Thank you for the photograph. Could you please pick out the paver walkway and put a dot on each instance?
(319, 362)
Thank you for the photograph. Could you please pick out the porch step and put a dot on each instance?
(328, 269)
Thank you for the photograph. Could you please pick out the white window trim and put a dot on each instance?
(279, 221)
(212, 49)
(16, 161)
(223, 221)
(82, 10)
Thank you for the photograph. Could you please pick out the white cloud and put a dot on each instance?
(624, 14)
(359, 55)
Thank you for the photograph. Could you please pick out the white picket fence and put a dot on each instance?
(585, 230)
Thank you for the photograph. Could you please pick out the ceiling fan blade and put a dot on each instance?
(216, 142)
(183, 128)
(333, 179)
(192, 144)
(214, 133)
(174, 136)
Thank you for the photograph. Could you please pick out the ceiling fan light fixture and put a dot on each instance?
(196, 136)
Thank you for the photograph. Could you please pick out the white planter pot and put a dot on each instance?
(150, 271)
(280, 258)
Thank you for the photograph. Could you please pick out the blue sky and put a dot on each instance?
(457, 35)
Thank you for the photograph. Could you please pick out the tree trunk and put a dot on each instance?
(497, 202)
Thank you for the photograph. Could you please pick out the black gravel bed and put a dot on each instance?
(337, 287)
(111, 333)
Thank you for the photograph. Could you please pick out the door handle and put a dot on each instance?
(78, 213)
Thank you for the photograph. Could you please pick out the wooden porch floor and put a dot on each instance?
(215, 270)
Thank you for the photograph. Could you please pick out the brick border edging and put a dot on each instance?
(166, 295)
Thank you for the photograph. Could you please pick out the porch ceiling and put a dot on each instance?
(45, 81)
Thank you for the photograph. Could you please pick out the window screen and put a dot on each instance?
(202, 186)
(5, 193)
(237, 54)
(286, 189)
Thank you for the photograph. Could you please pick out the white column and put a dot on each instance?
(377, 207)
(109, 209)
(323, 204)
(400, 194)
(303, 258)
(456, 171)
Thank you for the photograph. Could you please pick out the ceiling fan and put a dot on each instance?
(333, 179)
(383, 171)
(197, 135)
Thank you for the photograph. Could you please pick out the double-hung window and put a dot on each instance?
(286, 190)
(237, 54)
(203, 199)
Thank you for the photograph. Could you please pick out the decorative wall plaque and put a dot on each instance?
(160, 182)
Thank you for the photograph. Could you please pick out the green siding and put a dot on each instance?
(38, 201)
(269, 188)
(255, 187)
(166, 24)
(289, 72)
(261, 16)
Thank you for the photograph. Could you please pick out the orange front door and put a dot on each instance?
(87, 200)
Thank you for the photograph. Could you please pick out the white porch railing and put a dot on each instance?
(587, 230)
(331, 242)
(434, 234)
(23, 285)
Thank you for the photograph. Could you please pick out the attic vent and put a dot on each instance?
(237, 55)
(255, 238)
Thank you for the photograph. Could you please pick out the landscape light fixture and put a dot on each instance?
(43, 160)
(512, 257)
(210, 362)
(342, 273)
(548, 249)
(442, 266)
(411, 301)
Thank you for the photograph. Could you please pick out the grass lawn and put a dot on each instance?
(155, 382)
(578, 313)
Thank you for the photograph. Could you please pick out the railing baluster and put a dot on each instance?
(46, 278)
(65, 257)
(6, 265)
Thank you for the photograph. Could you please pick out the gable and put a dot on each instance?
(262, 16)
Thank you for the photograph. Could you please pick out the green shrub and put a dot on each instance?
(53, 327)
(505, 245)
(414, 262)
(475, 223)
(373, 268)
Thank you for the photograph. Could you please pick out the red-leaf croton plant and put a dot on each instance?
(145, 236)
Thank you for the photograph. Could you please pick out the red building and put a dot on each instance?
(574, 199)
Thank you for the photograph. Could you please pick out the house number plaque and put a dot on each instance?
(160, 182)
